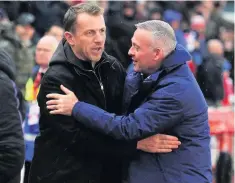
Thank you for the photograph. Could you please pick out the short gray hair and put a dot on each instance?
(162, 32)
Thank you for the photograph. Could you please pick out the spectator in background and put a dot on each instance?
(155, 13)
(44, 51)
(195, 38)
(227, 37)
(25, 54)
(57, 31)
(12, 114)
(129, 10)
(8, 38)
(228, 99)
(26, 30)
(120, 24)
(141, 10)
(12, 9)
(47, 13)
(205, 9)
(174, 19)
(210, 73)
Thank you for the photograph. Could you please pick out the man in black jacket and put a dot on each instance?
(210, 73)
(66, 151)
(11, 112)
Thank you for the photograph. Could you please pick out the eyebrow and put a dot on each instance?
(134, 44)
(95, 29)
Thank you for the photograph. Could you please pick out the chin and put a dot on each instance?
(96, 59)
(136, 69)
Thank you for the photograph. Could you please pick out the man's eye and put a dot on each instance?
(90, 33)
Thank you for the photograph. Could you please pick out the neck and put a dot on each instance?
(77, 55)
(80, 57)
(43, 69)
(149, 72)
(93, 64)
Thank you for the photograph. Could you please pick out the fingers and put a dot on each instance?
(52, 107)
(168, 146)
(54, 96)
(170, 142)
(164, 151)
(57, 111)
(166, 137)
(65, 90)
(52, 102)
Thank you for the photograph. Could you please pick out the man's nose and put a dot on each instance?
(130, 52)
(99, 38)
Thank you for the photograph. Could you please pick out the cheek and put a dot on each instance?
(38, 56)
(145, 59)
(84, 45)
(49, 56)
(141, 57)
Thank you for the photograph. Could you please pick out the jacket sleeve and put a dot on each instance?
(79, 138)
(11, 135)
(154, 116)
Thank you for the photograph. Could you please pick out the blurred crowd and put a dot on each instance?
(195, 23)
(199, 26)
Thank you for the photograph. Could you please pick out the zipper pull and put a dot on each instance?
(101, 86)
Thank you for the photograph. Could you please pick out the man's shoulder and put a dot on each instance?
(182, 88)
(5, 81)
(178, 84)
(59, 71)
(9, 93)
(115, 63)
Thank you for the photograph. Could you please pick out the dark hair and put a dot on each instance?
(71, 15)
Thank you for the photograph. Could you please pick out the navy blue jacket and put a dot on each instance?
(168, 101)
(11, 116)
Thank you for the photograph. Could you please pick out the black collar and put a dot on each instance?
(82, 64)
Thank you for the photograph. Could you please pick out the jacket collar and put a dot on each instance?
(136, 88)
(81, 64)
(177, 57)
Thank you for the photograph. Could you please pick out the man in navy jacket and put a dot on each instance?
(161, 95)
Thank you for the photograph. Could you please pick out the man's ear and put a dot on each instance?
(69, 38)
(158, 54)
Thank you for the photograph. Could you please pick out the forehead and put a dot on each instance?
(46, 44)
(142, 37)
(85, 21)
(56, 29)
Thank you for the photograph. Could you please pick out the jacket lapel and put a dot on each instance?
(145, 88)
(131, 87)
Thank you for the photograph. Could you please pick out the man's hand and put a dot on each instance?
(62, 104)
(159, 143)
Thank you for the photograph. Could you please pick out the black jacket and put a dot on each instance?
(210, 78)
(11, 135)
(66, 151)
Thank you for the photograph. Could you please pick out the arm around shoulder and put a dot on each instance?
(82, 140)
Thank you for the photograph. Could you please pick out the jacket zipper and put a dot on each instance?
(100, 83)
(102, 89)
